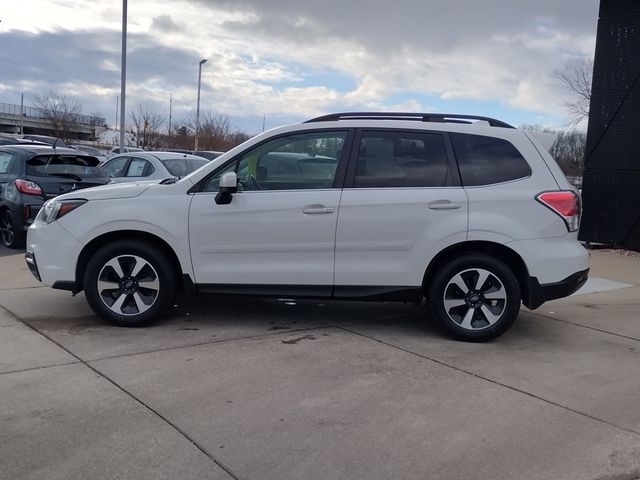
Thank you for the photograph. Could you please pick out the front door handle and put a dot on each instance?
(443, 205)
(316, 209)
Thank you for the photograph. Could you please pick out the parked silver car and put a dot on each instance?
(117, 151)
(135, 166)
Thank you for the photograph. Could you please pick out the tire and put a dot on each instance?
(11, 234)
(142, 278)
(474, 298)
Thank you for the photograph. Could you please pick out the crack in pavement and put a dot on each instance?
(487, 379)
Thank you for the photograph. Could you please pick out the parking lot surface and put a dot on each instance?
(266, 389)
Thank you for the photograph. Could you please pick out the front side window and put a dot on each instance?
(401, 159)
(488, 160)
(294, 162)
(116, 167)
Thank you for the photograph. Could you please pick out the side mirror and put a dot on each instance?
(228, 186)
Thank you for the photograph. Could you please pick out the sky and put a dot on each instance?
(288, 60)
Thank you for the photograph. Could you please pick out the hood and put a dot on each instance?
(112, 190)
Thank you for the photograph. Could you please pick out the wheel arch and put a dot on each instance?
(135, 235)
(511, 258)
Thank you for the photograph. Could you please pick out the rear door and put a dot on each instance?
(401, 205)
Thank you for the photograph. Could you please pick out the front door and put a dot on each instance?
(279, 229)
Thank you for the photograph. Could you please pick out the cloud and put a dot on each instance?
(292, 59)
(164, 23)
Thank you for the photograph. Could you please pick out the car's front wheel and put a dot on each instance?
(129, 284)
(475, 297)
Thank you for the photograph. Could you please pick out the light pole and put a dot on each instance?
(123, 73)
(202, 62)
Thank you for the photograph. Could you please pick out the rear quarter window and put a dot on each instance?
(487, 160)
(5, 161)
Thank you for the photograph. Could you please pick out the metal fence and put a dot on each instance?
(39, 114)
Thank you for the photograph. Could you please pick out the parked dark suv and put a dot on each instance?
(30, 175)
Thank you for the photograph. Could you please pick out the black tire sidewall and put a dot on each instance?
(466, 262)
(144, 250)
(19, 235)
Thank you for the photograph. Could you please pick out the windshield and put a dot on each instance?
(179, 167)
(59, 165)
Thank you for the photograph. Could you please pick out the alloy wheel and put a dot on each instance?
(128, 285)
(475, 299)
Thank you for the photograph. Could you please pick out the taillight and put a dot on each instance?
(566, 204)
(28, 188)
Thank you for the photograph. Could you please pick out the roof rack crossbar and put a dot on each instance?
(422, 117)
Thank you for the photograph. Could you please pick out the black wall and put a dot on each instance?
(611, 184)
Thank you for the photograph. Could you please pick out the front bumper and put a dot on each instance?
(52, 253)
(538, 294)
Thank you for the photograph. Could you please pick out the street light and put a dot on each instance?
(123, 74)
(202, 62)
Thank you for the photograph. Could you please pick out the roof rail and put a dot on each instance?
(421, 117)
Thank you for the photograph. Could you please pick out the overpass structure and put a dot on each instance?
(35, 121)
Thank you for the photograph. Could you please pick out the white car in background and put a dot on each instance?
(117, 150)
(466, 212)
(99, 154)
(151, 166)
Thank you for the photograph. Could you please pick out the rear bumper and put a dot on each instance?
(538, 294)
(30, 258)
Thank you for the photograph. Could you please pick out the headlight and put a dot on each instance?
(54, 209)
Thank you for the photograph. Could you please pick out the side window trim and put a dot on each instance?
(454, 168)
(341, 169)
(453, 175)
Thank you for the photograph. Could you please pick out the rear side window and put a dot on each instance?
(64, 166)
(487, 160)
(401, 159)
(139, 167)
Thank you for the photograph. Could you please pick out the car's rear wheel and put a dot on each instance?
(475, 298)
(11, 234)
(129, 284)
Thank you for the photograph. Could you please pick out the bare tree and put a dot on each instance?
(147, 123)
(63, 113)
(568, 149)
(576, 79)
(216, 132)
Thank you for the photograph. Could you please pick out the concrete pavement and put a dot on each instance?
(254, 389)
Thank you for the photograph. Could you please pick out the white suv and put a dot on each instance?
(465, 211)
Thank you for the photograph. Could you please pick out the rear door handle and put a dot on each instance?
(316, 209)
(443, 205)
